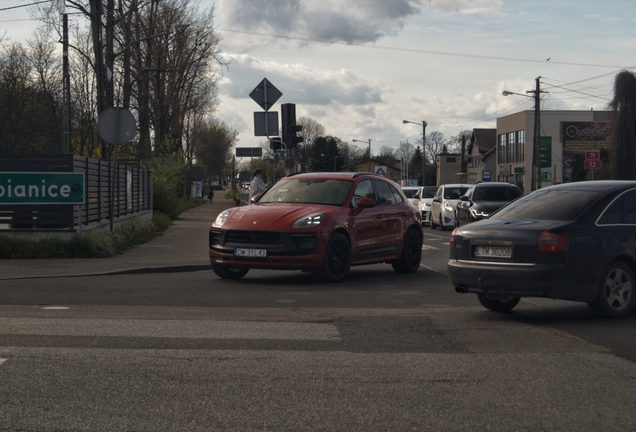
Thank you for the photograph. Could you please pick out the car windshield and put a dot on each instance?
(454, 192)
(505, 194)
(429, 192)
(560, 205)
(410, 193)
(308, 191)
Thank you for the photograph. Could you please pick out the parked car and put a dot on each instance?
(443, 205)
(319, 222)
(575, 241)
(481, 200)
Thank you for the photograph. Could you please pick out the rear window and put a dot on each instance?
(503, 193)
(558, 205)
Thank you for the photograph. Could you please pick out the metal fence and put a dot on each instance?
(131, 193)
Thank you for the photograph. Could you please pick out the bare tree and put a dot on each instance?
(435, 145)
(623, 106)
(213, 144)
(310, 131)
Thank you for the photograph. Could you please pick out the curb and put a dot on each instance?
(140, 270)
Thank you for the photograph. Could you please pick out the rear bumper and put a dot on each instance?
(544, 280)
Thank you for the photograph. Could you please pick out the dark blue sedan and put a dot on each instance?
(575, 241)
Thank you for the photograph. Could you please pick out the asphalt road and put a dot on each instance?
(282, 351)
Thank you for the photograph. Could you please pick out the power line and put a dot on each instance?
(413, 50)
(25, 5)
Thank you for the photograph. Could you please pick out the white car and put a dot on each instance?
(444, 203)
(413, 193)
(428, 192)
(421, 197)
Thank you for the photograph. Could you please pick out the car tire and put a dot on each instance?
(225, 272)
(504, 304)
(411, 255)
(615, 296)
(337, 261)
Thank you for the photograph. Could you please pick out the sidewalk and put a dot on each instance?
(182, 247)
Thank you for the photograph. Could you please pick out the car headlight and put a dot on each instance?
(308, 221)
(221, 218)
(449, 208)
(480, 213)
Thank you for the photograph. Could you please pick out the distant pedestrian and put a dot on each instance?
(210, 195)
(257, 187)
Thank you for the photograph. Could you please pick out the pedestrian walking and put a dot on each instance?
(257, 187)
(210, 195)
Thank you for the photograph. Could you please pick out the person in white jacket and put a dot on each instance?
(257, 186)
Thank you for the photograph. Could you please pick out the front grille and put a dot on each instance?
(253, 237)
(276, 243)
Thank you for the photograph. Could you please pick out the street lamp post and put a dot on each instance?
(424, 124)
(369, 158)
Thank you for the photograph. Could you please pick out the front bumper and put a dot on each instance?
(285, 251)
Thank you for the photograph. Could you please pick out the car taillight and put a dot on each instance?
(552, 242)
(452, 239)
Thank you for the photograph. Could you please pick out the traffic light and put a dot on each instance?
(289, 126)
(275, 143)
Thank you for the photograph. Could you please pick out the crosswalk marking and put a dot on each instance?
(195, 329)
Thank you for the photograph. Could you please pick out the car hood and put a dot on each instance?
(270, 216)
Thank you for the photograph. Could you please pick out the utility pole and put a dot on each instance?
(536, 173)
(423, 153)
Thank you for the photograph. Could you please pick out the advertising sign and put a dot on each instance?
(583, 137)
(41, 188)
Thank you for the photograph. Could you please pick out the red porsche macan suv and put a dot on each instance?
(319, 222)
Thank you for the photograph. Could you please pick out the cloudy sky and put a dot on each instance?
(360, 67)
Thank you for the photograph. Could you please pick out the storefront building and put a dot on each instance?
(567, 137)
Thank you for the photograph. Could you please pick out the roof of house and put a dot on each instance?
(485, 139)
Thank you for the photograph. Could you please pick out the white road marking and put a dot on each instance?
(432, 269)
(55, 308)
(427, 247)
(2, 361)
(169, 328)
(532, 303)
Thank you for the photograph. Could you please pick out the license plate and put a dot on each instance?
(493, 252)
(251, 253)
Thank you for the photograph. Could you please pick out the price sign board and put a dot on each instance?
(592, 164)
(592, 155)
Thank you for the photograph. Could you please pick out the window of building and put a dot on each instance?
(511, 148)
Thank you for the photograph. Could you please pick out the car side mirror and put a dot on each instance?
(464, 198)
(437, 200)
(254, 198)
(364, 203)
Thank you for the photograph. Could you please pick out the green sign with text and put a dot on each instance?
(41, 188)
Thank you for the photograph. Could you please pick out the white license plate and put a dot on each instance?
(493, 252)
(251, 253)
